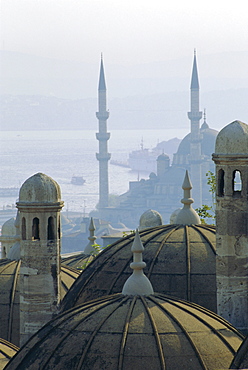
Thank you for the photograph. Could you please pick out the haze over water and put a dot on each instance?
(62, 154)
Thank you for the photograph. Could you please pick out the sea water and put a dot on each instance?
(63, 154)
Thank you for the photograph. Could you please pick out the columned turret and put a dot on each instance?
(195, 139)
(39, 208)
(231, 159)
(103, 136)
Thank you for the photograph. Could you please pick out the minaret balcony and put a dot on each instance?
(102, 115)
(103, 156)
(102, 136)
(194, 116)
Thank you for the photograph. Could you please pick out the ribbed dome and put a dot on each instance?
(7, 351)
(40, 188)
(8, 228)
(240, 360)
(180, 261)
(9, 296)
(77, 260)
(132, 332)
(232, 139)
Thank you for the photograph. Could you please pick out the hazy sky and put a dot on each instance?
(126, 31)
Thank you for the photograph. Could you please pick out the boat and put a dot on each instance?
(145, 160)
(77, 180)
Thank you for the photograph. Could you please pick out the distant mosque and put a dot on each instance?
(163, 189)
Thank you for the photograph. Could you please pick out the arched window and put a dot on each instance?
(35, 229)
(23, 228)
(59, 230)
(236, 183)
(50, 229)
(221, 183)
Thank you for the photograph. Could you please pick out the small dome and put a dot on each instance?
(132, 332)
(232, 139)
(14, 253)
(9, 292)
(150, 218)
(8, 228)
(174, 216)
(7, 351)
(163, 157)
(165, 253)
(40, 188)
(240, 360)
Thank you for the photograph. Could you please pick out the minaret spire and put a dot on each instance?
(103, 136)
(195, 137)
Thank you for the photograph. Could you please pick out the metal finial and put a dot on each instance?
(204, 115)
(137, 283)
(194, 52)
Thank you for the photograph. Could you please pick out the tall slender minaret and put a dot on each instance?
(195, 138)
(103, 136)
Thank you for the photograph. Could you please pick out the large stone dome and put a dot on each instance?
(232, 139)
(180, 261)
(7, 351)
(40, 188)
(207, 143)
(132, 332)
(240, 360)
(9, 296)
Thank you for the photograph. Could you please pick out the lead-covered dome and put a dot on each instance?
(232, 139)
(7, 351)
(8, 228)
(240, 360)
(180, 261)
(132, 332)
(150, 218)
(40, 188)
(9, 296)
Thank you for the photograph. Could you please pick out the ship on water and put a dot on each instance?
(145, 160)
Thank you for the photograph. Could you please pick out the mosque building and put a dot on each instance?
(163, 189)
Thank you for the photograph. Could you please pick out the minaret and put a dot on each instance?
(195, 138)
(103, 136)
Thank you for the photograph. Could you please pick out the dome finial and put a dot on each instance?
(89, 247)
(137, 283)
(187, 215)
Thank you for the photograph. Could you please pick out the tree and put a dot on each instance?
(205, 211)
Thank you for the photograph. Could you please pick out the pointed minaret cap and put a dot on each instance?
(194, 77)
(137, 283)
(187, 215)
(89, 247)
(102, 83)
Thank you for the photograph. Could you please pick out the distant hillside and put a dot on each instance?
(43, 93)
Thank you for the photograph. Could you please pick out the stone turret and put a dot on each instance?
(39, 206)
(231, 159)
(103, 136)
